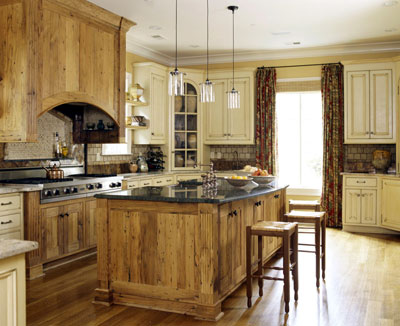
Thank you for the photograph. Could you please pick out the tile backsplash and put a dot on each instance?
(224, 157)
(358, 157)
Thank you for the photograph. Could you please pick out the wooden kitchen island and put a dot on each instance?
(174, 249)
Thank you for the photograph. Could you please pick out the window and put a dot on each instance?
(300, 138)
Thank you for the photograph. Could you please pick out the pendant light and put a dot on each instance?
(233, 95)
(207, 89)
(176, 85)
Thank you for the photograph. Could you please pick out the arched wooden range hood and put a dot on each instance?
(65, 52)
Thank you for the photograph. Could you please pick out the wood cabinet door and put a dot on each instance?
(158, 104)
(368, 207)
(17, 81)
(52, 233)
(238, 241)
(391, 204)
(381, 104)
(239, 120)
(352, 207)
(357, 108)
(225, 248)
(73, 227)
(215, 117)
(90, 223)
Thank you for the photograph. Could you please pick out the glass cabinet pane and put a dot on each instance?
(180, 141)
(191, 122)
(179, 104)
(179, 122)
(191, 140)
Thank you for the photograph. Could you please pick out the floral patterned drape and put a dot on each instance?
(333, 120)
(265, 119)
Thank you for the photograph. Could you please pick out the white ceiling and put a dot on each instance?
(264, 28)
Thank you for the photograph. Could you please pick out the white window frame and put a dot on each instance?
(301, 191)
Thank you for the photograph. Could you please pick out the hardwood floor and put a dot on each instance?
(362, 287)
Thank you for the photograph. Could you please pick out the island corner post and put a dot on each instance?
(178, 257)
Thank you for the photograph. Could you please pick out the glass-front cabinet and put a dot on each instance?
(186, 137)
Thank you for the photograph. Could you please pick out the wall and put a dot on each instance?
(358, 157)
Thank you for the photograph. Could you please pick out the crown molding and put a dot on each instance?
(346, 49)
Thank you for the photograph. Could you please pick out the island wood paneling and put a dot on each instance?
(177, 257)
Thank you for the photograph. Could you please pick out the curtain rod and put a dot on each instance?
(294, 66)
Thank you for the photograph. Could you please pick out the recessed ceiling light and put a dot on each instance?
(158, 37)
(194, 46)
(155, 27)
(390, 30)
(280, 33)
(390, 3)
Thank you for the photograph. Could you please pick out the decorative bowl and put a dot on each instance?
(263, 180)
(381, 160)
(238, 182)
(90, 125)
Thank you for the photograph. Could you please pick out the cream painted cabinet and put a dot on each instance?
(11, 216)
(370, 114)
(391, 203)
(226, 126)
(360, 201)
(153, 78)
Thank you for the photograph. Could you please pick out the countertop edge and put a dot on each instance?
(8, 188)
(10, 248)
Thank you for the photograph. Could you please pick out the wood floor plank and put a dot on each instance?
(362, 287)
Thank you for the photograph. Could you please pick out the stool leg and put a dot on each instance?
(260, 264)
(317, 250)
(295, 237)
(248, 265)
(286, 270)
(323, 246)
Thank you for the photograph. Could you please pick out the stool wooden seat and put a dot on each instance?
(312, 205)
(319, 223)
(289, 233)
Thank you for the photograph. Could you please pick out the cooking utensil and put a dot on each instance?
(54, 173)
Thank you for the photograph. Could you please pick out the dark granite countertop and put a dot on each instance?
(192, 194)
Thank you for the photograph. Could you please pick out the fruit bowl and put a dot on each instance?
(263, 180)
(238, 182)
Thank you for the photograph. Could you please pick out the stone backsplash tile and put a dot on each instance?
(358, 157)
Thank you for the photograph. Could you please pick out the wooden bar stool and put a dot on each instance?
(319, 222)
(311, 205)
(289, 233)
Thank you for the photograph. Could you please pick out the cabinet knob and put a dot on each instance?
(61, 215)
(5, 204)
(66, 214)
(8, 222)
(371, 132)
(152, 133)
(276, 196)
(235, 212)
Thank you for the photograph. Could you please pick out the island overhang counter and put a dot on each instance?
(179, 249)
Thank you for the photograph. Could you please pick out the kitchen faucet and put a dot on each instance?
(237, 160)
(209, 180)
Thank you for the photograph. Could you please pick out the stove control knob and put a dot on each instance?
(113, 185)
(74, 190)
(56, 192)
(119, 184)
(48, 193)
(99, 186)
(90, 187)
(67, 191)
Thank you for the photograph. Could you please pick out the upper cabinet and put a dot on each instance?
(153, 78)
(58, 52)
(226, 126)
(370, 114)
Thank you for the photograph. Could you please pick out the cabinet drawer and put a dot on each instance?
(15, 235)
(133, 184)
(146, 183)
(10, 202)
(361, 182)
(186, 177)
(163, 181)
(10, 221)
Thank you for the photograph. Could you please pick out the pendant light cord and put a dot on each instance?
(233, 49)
(207, 38)
(176, 34)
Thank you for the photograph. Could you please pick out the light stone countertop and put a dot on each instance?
(359, 174)
(160, 174)
(9, 248)
(6, 188)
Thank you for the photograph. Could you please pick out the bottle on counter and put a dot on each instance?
(57, 149)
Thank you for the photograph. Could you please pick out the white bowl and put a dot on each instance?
(263, 180)
(238, 182)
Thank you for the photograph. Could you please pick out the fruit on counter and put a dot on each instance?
(249, 168)
(261, 173)
(237, 177)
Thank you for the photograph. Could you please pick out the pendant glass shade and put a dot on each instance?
(207, 92)
(176, 85)
(233, 99)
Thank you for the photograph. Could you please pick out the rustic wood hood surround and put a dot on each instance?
(57, 52)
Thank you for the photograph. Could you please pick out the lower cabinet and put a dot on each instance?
(391, 204)
(62, 229)
(360, 206)
(90, 223)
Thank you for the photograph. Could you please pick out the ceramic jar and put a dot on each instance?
(179, 160)
(192, 141)
(381, 160)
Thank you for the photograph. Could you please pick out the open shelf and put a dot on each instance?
(137, 127)
(136, 103)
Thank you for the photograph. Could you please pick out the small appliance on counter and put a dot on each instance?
(155, 160)
(142, 164)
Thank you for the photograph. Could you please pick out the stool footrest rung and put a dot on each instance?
(307, 244)
(271, 278)
(309, 251)
(307, 232)
(277, 268)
